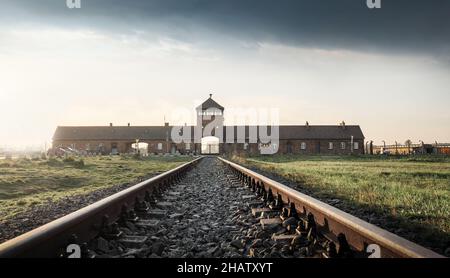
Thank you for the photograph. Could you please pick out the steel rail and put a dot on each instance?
(333, 221)
(51, 239)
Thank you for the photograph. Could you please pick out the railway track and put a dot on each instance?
(210, 207)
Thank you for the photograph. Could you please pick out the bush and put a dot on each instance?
(137, 156)
(69, 159)
(54, 162)
(21, 203)
(75, 163)
(79, 163)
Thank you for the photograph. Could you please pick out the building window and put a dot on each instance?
(330, 145)
(356, 145)
(303, 146)
(245, 146)
(188, 146)
(88, 147)
(274, 147)
(342, 145)
(159, 146)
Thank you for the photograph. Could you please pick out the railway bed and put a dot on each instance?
(210, 207)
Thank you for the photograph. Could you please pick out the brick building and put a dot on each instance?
(295, 139)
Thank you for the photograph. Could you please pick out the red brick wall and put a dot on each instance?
(312, 147)
(252, 148)
(320, 147)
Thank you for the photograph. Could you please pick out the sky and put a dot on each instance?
(138, 62)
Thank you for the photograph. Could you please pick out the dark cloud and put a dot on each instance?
(399, 26)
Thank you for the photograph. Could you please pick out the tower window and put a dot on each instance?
(330, 145)
(303, 146)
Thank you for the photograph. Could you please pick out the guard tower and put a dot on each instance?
(210, 111)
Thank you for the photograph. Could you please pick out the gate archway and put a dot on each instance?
(210, 145)
(140, 147)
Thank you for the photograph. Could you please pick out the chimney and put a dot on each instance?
(110, 124)
(128, 124)
(166, 124)
(307, 124)
(210, 95)
(343, 125)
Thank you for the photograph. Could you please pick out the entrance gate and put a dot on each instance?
(210, 145)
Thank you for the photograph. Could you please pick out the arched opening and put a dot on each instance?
(141, 148)
(210, 145)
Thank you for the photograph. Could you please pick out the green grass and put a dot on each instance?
(25, 183)
(410, 193)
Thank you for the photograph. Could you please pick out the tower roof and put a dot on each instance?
(209, 103)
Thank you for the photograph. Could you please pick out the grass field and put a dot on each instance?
(25, 183)
(410, 196)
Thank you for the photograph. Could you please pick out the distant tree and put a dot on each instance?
(408, 143)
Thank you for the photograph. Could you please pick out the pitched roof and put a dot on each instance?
(209, 103)
(111, 132)
(321, 132)
(287, 132)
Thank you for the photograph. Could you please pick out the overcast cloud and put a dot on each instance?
(321, 61)
(400, 26)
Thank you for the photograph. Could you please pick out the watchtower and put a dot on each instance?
(210, 111)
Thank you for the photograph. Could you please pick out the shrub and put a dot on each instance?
(75, 163)
(21, 203)
(79, 163)
(53, 162)
(69, 159)
(137, 156)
